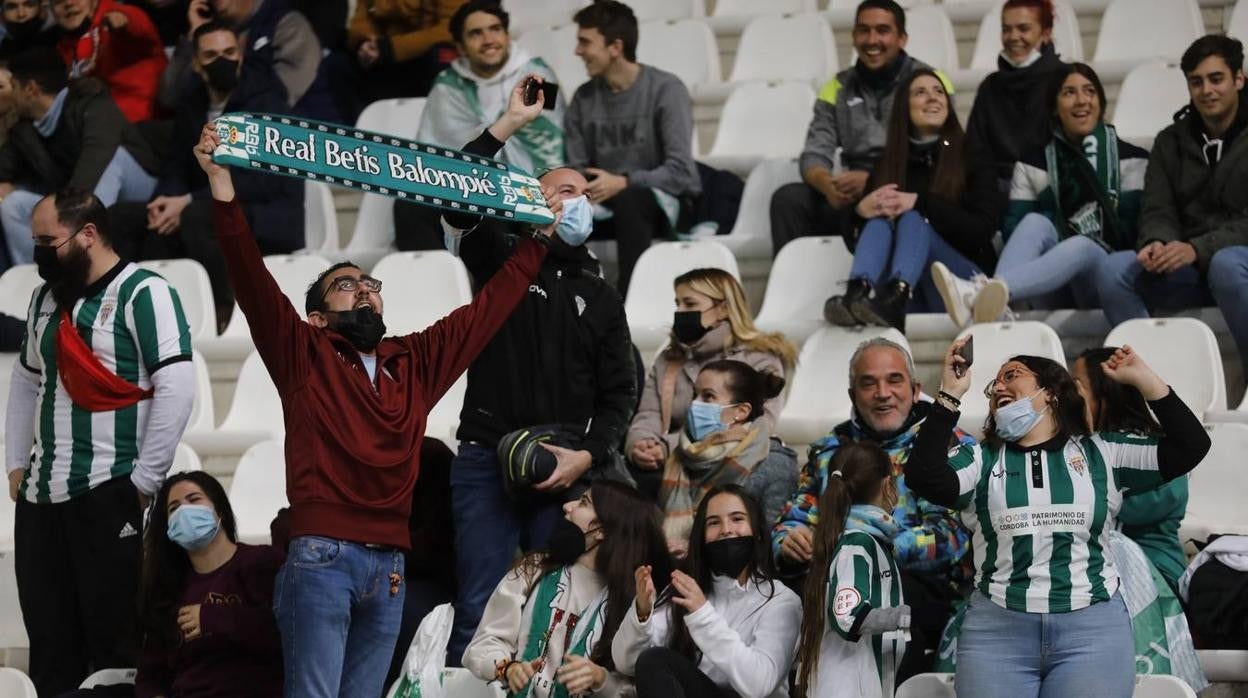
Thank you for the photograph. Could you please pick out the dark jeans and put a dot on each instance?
(931, 600)
(636, 221)
(797, 210)
(77, 565)
(489, 528)
(195, 238)
(665, 673)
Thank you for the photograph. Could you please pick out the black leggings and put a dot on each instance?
(665, 673)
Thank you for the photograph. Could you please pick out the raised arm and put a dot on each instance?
(934, 472)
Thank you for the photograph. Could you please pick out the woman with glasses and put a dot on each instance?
(1072, 202)
(1040, 495)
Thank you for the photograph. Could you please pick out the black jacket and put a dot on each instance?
(90, 129)
(1012, 115)
(273, 205)
(564, 356)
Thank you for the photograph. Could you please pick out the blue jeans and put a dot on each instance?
(904, 249)
(489, 529)
(1089, 653)
(123, 180)
(1130, 292)
(337, 617)
(1035, 263)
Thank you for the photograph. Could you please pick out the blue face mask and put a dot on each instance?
(577, 222)
(704, 419)
(193, 526)
(1016, 419)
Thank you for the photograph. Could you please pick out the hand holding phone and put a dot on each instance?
(549, 90)
(967, 352)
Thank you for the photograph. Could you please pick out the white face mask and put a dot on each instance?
(1016, 420)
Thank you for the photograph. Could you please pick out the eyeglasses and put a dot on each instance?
(1006, 378)
(349, 284)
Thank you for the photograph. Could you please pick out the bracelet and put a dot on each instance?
(951, 399)
(500, 670)
(537, 234)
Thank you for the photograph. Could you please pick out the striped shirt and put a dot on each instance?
(862, 577)
(1039, 518)
(134, 324)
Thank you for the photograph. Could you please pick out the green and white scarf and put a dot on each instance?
(542, 623)
(1085, 180)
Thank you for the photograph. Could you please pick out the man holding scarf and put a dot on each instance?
(100, 395)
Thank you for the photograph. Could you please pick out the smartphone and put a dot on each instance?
(967, 352)
(550, 91)
(664, 595)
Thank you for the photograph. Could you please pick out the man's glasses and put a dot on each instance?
(1006, 378)
(349, 284)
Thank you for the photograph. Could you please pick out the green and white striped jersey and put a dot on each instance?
(861, 577)
(1039, 519)
(134, 325)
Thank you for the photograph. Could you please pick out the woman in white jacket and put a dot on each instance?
(729, 628)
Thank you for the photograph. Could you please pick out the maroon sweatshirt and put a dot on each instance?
(239, 654)
(352, 445)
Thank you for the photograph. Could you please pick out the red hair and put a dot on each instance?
(1043, 8)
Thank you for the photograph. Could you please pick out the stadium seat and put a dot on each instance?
(1215, 504)
(995, 343)
(293, 274)
(1066, 37)
(426, 286)
(773, 48)
(190, 280)
(1161, 686)
(751, 236)
(258, 490)
(1184, 352)
(724, 8)
(1150, 95)
(1237, 25)
(12, 628)
(393, 117)
(109, 677)
(806, 272)
(15, 684)
(650, 10)
(931, 37)
(320, 220)
(557, 46)
(373, 235)
(17, 284)
(1170, 25)
(649, 304)
(460, 683)
(927, 686)
(8, 512)
(529, 15)
(819, 398)
(185, 460)
(759, 121)
(443, 419)
(686, 48)
(1229, 666)
(203, 411)
(255, 415)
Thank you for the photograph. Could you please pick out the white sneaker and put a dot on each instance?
(958, 294)
(992, 303)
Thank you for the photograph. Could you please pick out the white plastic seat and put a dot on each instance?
(320, 220)
(203, 410)
(1229, 666)
(651, 10)
(649, 305)
(1237, 25)
(1150, 95)
(1215, 502)
(724, 8)
(15, 684)
(557, 46)
(806, 272)
(686, 48)
(995, 343)
(443, 419)
(427, 286)
(109, 677)
(534, 14)
(255, 415)
(761, 121)
(1066, 37)
(1161, 686)
(460, 683)
(190, 280)
(393, 117)
(751, 235)
(1138, 30)
(1184, 352)
(931, 37)
(185, 460)
(819, 399)
(17, 284)
(927, 686)
(374, 222)
(258, 490)
(12, 628)
(791, 47)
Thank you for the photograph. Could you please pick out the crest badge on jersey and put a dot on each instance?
(106, 312)
(845, 601)
(1077, 463)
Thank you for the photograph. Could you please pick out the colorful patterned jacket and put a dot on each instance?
(932, 538)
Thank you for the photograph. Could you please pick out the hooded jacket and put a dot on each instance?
(462, 104)
(129, 60)
(1185, 199)
(1012, 113)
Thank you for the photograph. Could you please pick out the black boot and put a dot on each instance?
(888, 308)
(838, 310)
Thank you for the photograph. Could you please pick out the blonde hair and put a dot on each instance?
(722, 287)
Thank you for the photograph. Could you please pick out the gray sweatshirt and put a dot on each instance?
(644, 132)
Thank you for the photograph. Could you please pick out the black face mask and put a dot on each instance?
(362, 327)
(24, 31)
(66, 276)
(222, 74)
(727, 557)
(567, 543)
(687, 326)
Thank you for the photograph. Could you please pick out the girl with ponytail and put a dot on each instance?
(854, 582)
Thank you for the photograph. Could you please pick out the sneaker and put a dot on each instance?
(957, 294)
(992, 303)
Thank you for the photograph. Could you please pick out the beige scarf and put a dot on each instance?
(696, 466)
